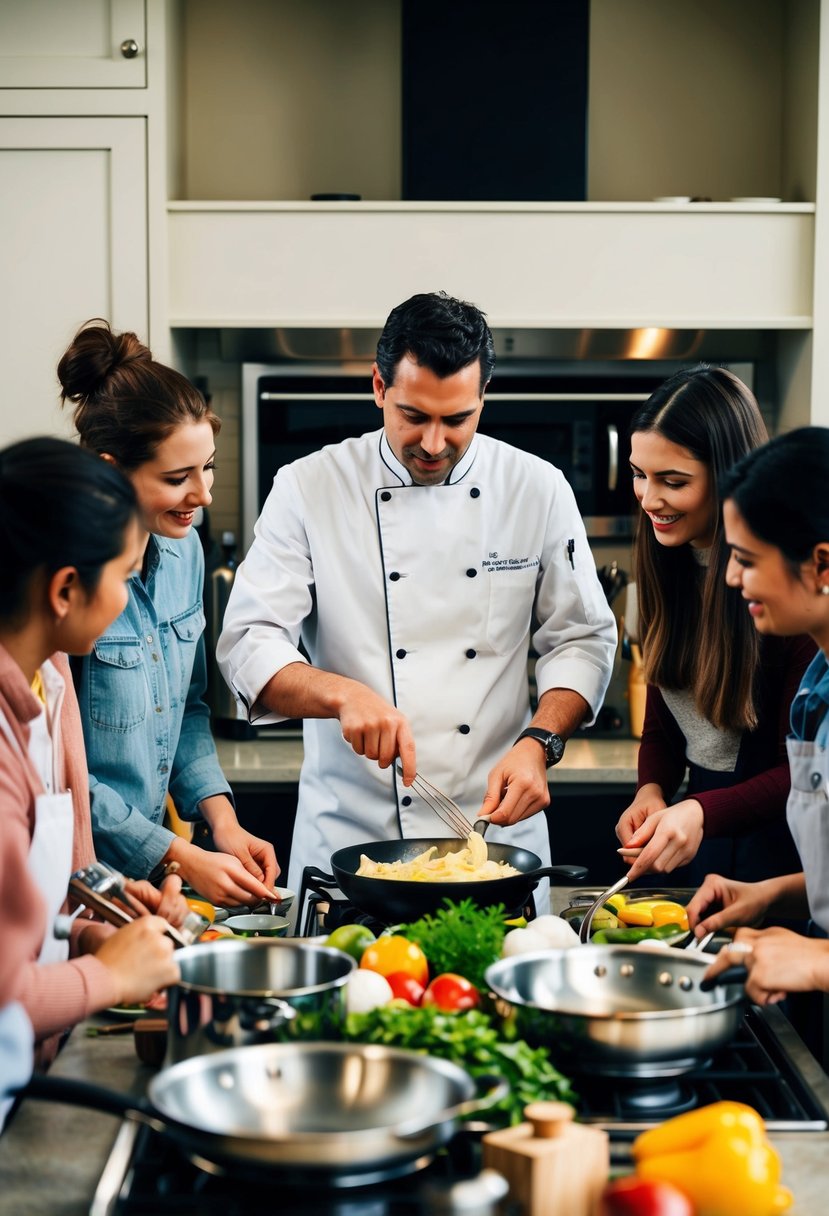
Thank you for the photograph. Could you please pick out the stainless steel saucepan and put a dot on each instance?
(619, 1010)
(340, 1113)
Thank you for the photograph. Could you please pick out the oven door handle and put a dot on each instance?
(612, 456)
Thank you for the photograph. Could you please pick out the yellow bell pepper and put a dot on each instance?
(638, 913)
(670, 914)
(720, 1157)
(615, 902)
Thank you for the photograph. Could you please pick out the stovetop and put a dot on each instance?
(766, 1065)
(147, 1174)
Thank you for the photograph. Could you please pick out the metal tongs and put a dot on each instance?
(96, 886)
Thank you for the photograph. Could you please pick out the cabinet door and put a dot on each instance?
(74, 44)
(73, 245)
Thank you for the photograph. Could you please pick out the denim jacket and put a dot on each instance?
(146, 726)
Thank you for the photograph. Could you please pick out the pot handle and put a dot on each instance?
(491, 1090)
(572, 873)
(270, 1013)
(73, 1092)
(731, 975)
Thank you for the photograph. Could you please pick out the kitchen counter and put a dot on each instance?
(51, 1156)
(275, 760)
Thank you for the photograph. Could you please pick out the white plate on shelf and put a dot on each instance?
(767, 201)
(673, 198)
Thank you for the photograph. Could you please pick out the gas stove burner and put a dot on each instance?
(664, 1097)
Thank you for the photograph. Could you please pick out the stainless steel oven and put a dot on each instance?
(574, 414)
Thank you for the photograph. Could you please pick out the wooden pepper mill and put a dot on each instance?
(554, 1167)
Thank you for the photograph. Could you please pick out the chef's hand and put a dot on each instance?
(778, 961)
(517, 786)
(723, 903)
(377, 730)
(648, 800)
(668, 838)
(140, 960)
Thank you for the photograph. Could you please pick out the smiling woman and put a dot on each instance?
(146, 725)
(717, 696)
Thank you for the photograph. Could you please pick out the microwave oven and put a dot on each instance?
(575, 415)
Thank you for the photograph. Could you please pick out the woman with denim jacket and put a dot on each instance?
(146, 725)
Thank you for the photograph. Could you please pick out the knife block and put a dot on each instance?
(554, 1167)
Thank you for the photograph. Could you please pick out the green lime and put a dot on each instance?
(352, 939)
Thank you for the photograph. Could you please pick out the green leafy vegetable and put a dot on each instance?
(477, 1042)
(460, 937)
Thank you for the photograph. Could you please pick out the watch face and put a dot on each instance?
(554, 748)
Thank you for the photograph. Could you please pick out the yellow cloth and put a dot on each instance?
(38, 687)
(175, 823)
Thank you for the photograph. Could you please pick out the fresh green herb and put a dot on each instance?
(474, 1040)
(460, 937)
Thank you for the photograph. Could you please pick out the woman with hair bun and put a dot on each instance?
(141, 689)
(718, 697)
(69, 539)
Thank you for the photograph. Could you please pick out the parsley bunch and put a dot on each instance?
(460, 937)
(477, 1042)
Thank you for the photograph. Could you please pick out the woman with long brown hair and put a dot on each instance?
(146, 725)
(718, 696)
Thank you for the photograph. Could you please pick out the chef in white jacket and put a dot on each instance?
(415, 564)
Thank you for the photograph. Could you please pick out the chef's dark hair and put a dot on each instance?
(59, 506)
(780, 491)
(441, 333)
(692, 628)
(126, 403)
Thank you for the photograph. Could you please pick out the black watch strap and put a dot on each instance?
(552, 743)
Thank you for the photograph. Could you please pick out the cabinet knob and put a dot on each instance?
(129, 48)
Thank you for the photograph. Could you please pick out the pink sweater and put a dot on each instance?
(55, 995)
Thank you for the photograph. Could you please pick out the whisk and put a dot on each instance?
(447, 809)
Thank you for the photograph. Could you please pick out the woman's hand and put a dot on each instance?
(257, 856)
(140, 959)
(778, 962)
(218, 877)
(734, 903)
(648, 801)
(668, 838)
(166, 900)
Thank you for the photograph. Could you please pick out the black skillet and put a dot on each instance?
(392, 900)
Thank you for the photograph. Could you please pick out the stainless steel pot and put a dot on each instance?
(240, 991)
(332, 1113)
(619, 1010)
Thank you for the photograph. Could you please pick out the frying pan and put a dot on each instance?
(337, 1113)
(621, 1010)
(391, 900)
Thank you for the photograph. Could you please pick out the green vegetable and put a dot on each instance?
(633, 934)
(460, 937)
(477, 1042)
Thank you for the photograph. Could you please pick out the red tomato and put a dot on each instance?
(391, 953)
(634, 1196)
(451, 993)
(406, 987)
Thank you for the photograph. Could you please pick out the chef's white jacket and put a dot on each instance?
(430, 596)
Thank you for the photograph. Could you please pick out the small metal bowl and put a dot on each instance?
(258, 925)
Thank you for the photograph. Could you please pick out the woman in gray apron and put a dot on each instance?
(69, 541)
(777, 525)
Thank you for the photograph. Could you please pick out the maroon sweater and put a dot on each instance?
(757, 790)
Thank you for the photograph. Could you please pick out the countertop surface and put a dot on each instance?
(276, 760)
(51, 1156)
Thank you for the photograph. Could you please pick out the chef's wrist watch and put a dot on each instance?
(553, 744)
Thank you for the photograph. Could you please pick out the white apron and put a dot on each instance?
(807, 812)
(50, 852)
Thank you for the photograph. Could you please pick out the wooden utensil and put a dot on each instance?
(551, 1163)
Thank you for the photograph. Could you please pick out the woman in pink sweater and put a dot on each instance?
(69, 540)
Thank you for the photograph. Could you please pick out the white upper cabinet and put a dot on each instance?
(73, 244)
(73, 44)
